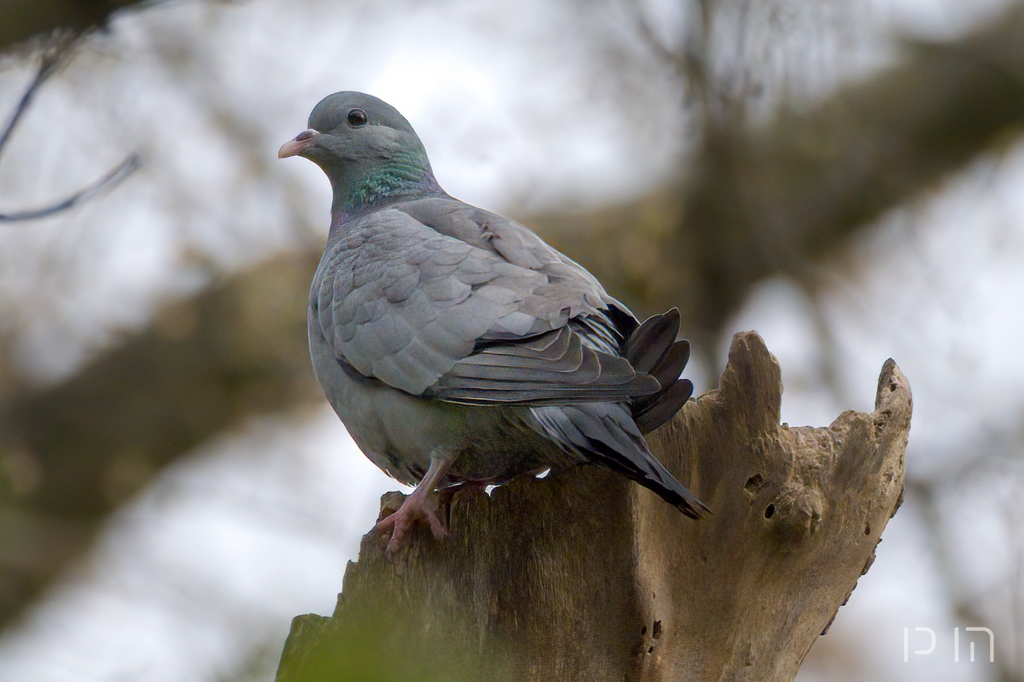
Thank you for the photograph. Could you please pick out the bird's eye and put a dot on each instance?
(357, 117)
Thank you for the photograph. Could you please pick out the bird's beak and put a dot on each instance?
(297, 145)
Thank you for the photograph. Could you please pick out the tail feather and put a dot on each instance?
(672, 363)
(651, 340)
(605, 433)
(658, 409)
(653, 349)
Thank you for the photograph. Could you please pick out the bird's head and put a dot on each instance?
(366, 147)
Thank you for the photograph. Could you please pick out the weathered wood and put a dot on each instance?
(585, 576)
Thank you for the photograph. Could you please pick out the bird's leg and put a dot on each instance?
(421, 504)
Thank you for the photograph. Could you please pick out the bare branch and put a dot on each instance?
(126, 168)
(55, 55)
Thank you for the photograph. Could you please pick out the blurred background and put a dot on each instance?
(844, 176)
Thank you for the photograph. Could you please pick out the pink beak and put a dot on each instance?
(296, 146)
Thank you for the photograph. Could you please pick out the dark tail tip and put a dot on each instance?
(649, 343)
(652, 411)
(653, 349)
(686, 502)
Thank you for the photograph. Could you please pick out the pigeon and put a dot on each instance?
(457, 347)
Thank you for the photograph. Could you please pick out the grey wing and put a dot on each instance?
(435, 315)
(555, 368)
(515, 243)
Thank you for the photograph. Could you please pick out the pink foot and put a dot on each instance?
(415, 507)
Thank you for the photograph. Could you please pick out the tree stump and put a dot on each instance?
(586, 576)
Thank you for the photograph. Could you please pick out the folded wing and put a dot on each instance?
(432, 314)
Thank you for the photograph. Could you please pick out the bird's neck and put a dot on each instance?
(362, 186)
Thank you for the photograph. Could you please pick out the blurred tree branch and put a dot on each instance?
(51, 58)
(771, 200)
(766, 200)
(58, 50)
(113, 177)
(69, 454)
(21, 20)
(931, 497)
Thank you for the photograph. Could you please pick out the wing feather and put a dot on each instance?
(439, 299)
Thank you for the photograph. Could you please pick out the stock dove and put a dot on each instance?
(455, 345)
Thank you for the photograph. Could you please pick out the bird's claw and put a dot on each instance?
(402, 520)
